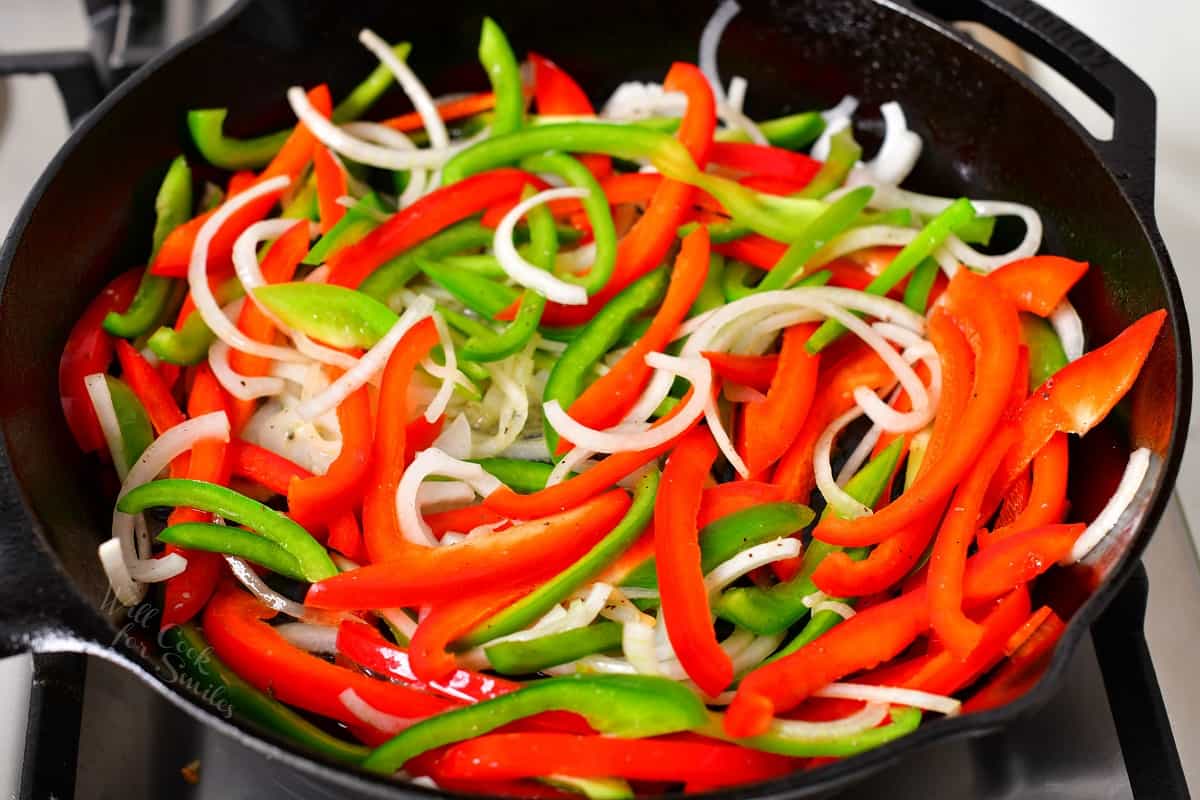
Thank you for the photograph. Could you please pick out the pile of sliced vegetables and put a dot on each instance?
(529, 404)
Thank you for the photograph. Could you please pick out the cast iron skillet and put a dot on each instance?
(988, 133)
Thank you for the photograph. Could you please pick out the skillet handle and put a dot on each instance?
(74, 74)
(1114, 87)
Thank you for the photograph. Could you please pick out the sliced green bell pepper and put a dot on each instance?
(535, 655)
(916, 293)
(392, 276)
(234, 542)
(836, 219)
(132, 420)
(504, 73)
(359, 220)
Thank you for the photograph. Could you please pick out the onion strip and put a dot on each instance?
(1114, 509)
(519, 269)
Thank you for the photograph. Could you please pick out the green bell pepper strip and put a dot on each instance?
(930, 238)
(303, 203)
(629, 706)
(530, 608)
(599, 335)
(485, 297)
(793, 131)
(592, 788)
(711, 294)
(359, 220)
(392, 276)
(466, 325)
(331, 314)
(189, 345)
(504, 73)
(485, 265)
(595, 205)
(515, 335)
(724, 538)
(776, 217)
(132, 420)
(734, 283)
(722, 232)
(520, 476)
(903, 722)
(172, 207)
(535, 655)
(772, 610)
(916, 294)
(234, 542)
(1046, 354)
(977, 231)
(188, 659)
(207, 125)
(836, 219)
(313, 559)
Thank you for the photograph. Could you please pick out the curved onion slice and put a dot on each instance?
(312, 638)
(97, 389)
(437, 406)
(434, 462)
(509, 378)
(754, 654)
(371, 716)
(243, 387)
(372, 362)
(696, 370)
(418, 179)
(710, 39)
(245, 258)
(864, 719)
(836, 606)
(1110, 515)
(321, 353)
(568, 464)
(455, 438)
(892, 694)
(837, 497)
(521, 271)
(637, 642)
(1069, 327)
(750, 559)
(857, 239)
(900, 149)
(412, 86)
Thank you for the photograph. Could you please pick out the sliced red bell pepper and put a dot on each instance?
(176, 252)
(773, 424)
(433, 212)
(235, 625)
(449, 111)
(990, 323)
(888, 562)
(755, 249)
(508, 558)
(240, 181)
(685, 605)
(345, 536)
(1047, 499)
(761, 159)
(700, 761)
(267, 469)
(448, 621)
(1077, 397)
(331, 184)
(1023, 667)
(881, 632)
(619, 189)
(317, 500)
(147, 383)
(420, 434)
(729, 498)
(461, 520)
(381, 530)
(757, 372)
(611, 396)
(1038, 284)
(278, 266)
(186, 593)
(89, 349)
(557, 93)
(948, 560)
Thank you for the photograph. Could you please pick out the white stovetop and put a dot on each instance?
(1157, 38)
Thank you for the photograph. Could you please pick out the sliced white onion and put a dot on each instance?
(861, 238)
(509, 379)
(637, 642)
(696, 370)
(321, 353)
(372, 362)
(837, 497)
(569, 463)
(455, 438)
(844, 109)
(750, 559)
(371, 716)
(710, 40)
(412, 86)
(97, 389)
(534, 449)
(127, 591)
(633, 100)
(243, 387)
(418, 179)
(265, 594)
(620, 608)
(576, 260)
(864, 719)
(442, 495)
(859, 455)
(521, 271)
(900, 149)
(756, 653)
(245, 258)
(442, 399)
(1122, 499)
(843, 610)
(312, 638)
(1069, 327)
(434, 462)
(894, 695)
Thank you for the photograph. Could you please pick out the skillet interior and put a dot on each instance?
(986, 134)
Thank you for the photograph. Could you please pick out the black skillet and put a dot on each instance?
(988, 132)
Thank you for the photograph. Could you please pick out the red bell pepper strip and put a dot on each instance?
(315, 501)
(757, 372)
(508, 558)
(772, 425)
(685, 605)
(1023, 667)
(610, 397)
(646, 244)
(557, 93)
(448, 621)
(449, 111)
(762, 159)
(840, 576)
(151, 390)
(949, 558)
(235, 625)
(991, 322)
(176, 252)
(269, 470)
(433, 212)
(755, 249)
(620, 189)
(278, 266)
(729, 498)
(345, 536)
(240, 181)
(1038, 284)
(420, 434)
(186, 593)
(461, 520)
(1047, 501)
(331, 184)
(700, 761)
(381, 530)
(881, 632)
(1077, 397)
(89, 350)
